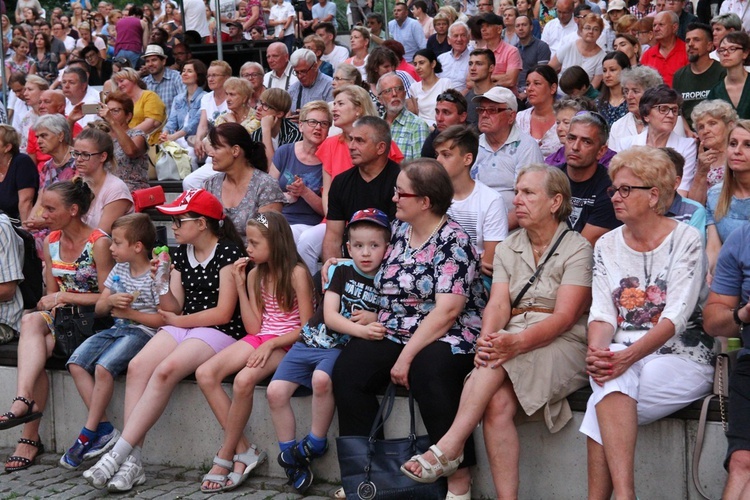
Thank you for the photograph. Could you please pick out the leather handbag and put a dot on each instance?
(148, 198)
(725, 363)
(73, 325)
(370, 467)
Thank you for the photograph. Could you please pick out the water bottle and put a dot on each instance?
(119, 287)
(161, 281)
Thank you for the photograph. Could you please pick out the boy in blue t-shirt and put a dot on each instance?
(105, 355)
(349, 308)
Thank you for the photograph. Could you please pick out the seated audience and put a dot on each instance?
(19, 178)
(712, 121)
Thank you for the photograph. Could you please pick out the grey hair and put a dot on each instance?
(303, 55)
(555, 182)
(594, 120)
(574, 103)
(56, 124)
(459, 24)
(730, 21)
(280, 46)
(349, 72)
(381, 129)
(643, 76)
(251, 64)
(715, 108)
(672, 15)
(390, 74)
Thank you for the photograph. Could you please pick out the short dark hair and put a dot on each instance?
(200, 70)
(701, 26)
(464, 137)
(574, 78)
(328, 27)
(428, 178)
(661, 94)
(454, 96)
(487, 53)
(676, 158)
(430, 56)
(420, 4)
(581, 8)
(379, 126)
(377, 16)
(79, 72)
(137, 227)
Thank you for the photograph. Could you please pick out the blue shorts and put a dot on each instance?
(112, 349)
(301, 361)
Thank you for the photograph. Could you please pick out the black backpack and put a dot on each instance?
(32, 286)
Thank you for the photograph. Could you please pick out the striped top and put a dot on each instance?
(11, 269)
(274, 320)
(79, 276)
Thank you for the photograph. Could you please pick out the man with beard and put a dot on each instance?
(695, 80)
(408, 130)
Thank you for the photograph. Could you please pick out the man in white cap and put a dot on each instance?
(166, 82)
(503, 147)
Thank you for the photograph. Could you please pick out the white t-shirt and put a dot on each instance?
(70, 43)
(19, 108)
(91, 97)
(337, 56)
(194, 17)
(282, 13)
(482, 215)
(208, 104)
(426, 100)
(98, 43)
(570, 56)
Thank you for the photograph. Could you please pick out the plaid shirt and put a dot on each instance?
(168, 88)
(409, 132)
(640, 15)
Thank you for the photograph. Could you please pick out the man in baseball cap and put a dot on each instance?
(235, 32)
(508, 63)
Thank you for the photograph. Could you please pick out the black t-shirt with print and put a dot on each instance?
(591, 203)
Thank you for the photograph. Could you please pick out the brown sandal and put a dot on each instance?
(27, 462)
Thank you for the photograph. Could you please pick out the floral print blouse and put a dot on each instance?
(410, 279)
(79, 276)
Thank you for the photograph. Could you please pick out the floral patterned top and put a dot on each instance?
(612, 113)
(78, 276)
(133, 171)
(13, 67)
(51, 174)
(409, 280)
(715, 176)
(633, 291)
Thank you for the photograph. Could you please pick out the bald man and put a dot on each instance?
(51, 102)
(557, 29)
(668, 53)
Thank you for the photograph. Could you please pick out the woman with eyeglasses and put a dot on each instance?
(238, 92)
(728, 203)
(660, 109)
(241, 181)
(539, 120)
(275, 130)
(612, 104)
(213, 103)
(734, 54)
(648, 355)
(346, 74)
(584, 52)
(300, 174)
(425, 92)
(359, 41)
(253, 73)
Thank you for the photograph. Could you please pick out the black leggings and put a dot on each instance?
(436, 376)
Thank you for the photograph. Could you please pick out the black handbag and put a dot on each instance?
(370, 467)
(73, 325)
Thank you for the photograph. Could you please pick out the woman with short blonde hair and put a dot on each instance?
(150, 112)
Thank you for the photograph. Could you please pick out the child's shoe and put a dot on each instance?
(129, 475)
(304, 452)
(103, 470)
(102, 444)
(302, 479)
(75, 455)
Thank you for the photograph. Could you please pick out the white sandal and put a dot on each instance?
(220, 479)
(432, 472)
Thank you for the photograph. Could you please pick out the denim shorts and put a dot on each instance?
(301, 361)
(112, 349)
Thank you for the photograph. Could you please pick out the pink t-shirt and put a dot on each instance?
(113, 189)
(507, 58)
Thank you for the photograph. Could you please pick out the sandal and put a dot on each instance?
(27, 462)
(250, 459)
(13, 420)
(220, 479)
(433, 472)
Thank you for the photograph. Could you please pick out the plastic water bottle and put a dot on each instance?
(119, 287)
(161, 281)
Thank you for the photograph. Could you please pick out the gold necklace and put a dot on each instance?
(409, 251)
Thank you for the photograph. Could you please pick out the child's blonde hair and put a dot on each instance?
(283, 259)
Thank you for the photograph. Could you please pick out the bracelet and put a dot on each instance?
(736, 314)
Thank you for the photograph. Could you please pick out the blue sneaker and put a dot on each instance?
(302, 479)
(74, 456)
(102, 444)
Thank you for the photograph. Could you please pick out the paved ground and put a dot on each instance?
(49, 481)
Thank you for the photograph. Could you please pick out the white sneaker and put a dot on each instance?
(102, 471)
(130, 474)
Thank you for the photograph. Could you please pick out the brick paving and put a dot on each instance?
(47, 480)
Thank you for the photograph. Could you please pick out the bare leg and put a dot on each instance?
(618, 423)
(323, 404)
(104, 386)
(279, 397)
(87, 387)
(501, 440)
(738, 482)
(600, 483)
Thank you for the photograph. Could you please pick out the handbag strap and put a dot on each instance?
(697, 450)
(538, 270)
(386, 407)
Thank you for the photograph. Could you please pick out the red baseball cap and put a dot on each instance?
(198, 201)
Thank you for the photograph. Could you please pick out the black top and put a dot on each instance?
(22, 174)
(591, 203)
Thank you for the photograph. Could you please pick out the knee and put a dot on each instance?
(501, 409)
(137, 369)
(321, 383)
(164, 373)
(32, 325)
(206, 376)
(244, 384)
(276, 396)
(101, 373)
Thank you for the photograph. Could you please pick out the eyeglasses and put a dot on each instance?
(725, 51)
(303, 72)
(624, 190)
(265, 106)
(315, 123)
(80, 155)
(490, 111)
(115, 111)
(177, 222)
(402, 194)
(665, 109)
(594, 29)
(249, 75)
(391, 90)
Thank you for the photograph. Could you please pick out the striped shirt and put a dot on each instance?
(145, 301)
(11, 269)
(275, 321)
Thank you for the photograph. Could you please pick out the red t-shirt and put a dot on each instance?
(666, 66)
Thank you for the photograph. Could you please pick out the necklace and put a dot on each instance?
(409, 252)
(61, 163)
(539, 252)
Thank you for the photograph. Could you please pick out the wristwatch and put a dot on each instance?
(736, 314)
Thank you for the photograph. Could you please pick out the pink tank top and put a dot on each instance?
(274, 320)
(129, 35)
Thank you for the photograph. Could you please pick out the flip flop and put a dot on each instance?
(13, 420)
(27, 462)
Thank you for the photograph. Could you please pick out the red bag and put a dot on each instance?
(148, 198)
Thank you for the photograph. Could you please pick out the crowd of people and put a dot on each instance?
(504, 203)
